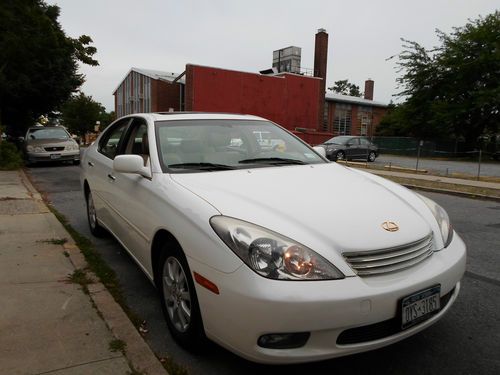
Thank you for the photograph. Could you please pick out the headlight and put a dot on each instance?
(72, 147)
(272, 255)
(442, 219)
(35, 149)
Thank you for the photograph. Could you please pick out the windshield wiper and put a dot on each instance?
(274, 161)
(202, 166)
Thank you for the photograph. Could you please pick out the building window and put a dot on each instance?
(326, 125)
(342, 121)
(365, 120)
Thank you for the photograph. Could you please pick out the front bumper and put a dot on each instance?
(34, 157)
(252, 306)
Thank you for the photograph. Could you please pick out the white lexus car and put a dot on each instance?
(263, 245)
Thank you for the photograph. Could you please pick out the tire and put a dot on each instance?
(94, 226)
(340, 155)
(372, 156)
(179, 301)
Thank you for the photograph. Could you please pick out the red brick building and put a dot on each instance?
(350, 115)
(297, 102)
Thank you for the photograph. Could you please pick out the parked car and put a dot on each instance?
(50, 143)
(239, 239)
(348, 147)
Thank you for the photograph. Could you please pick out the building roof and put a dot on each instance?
(154, 74)
(334, 97)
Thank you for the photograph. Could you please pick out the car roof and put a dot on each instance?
(169, 116)
(45, 127)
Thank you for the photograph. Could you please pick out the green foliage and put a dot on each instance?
(38, 62)
(344, 87)
(452, 90)
(10, 157)
(80, 113)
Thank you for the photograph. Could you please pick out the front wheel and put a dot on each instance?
(340, 155)
(371, 156)
(179, 301)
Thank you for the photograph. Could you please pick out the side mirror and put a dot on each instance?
(320, 150)
(131, 164)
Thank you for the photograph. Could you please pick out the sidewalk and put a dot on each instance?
(439, 184)
(48, 325)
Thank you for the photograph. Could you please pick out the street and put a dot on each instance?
(465, 341)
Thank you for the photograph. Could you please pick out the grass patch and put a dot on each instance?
(98, 266)
(117, 345)
(80, 277)
(10, 157)
(56, 241)
(172, 367)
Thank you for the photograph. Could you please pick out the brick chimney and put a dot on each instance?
(320, 61)
(369, 84)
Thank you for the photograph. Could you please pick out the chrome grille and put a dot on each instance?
(392, 259)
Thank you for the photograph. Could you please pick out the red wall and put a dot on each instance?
(289, 100)
(313, 138)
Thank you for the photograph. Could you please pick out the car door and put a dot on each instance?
(132, 195)
(352, 149)
(99, 168)
(364, 148)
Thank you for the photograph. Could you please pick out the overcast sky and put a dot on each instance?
(241, 35)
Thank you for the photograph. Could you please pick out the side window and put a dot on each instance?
(353, 142)
(138, 143)
(364, 142)
(108, 146)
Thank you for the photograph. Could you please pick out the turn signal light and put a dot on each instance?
(204, 282)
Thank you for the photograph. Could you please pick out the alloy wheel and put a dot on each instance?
(176, 294)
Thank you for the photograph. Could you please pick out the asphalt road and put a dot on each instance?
(465, 341)
(488, 167)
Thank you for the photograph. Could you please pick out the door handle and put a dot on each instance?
(111, 177)
(90, 164)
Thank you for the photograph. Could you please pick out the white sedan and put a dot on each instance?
(273, 252)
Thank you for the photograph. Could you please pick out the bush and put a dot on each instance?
(10, 157)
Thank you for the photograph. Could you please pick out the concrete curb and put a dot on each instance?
(137, 352)
(451, 192)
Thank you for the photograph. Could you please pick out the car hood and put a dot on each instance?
(327, 207)
(49, 142)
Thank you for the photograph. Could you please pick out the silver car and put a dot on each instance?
(50, 143)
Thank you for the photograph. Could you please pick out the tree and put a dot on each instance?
(344, 87)
(80, 113)
(38, 62)
(453, 90)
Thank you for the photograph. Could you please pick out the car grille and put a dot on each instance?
(54, 148)
(393, 259)
(381, 330)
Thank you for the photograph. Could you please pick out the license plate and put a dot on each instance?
(420, 306)
(55, 156)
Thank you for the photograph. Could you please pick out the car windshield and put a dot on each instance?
(338, 140)
(47, 133)
(209, 145)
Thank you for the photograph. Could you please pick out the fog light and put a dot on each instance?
(283, 340)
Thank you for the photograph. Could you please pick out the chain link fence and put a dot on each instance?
(447, 158)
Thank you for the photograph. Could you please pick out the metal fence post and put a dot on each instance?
(418, 155)
(479, 164)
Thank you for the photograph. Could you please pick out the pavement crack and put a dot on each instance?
(486, 279)
(79, 364)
